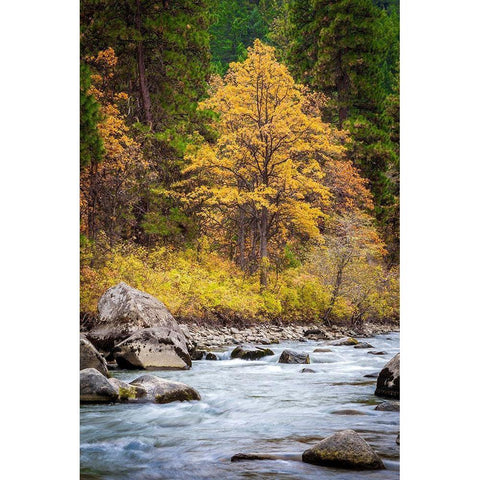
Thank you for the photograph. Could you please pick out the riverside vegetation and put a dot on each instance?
(228, 169)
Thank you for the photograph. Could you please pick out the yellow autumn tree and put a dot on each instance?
(262, 180)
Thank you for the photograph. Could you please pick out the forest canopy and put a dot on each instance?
(241, 158)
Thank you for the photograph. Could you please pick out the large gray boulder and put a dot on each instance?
(249, 352)
(388, 381)
(95, 388)
(90, 357)
(289, 356)
(153, 348)
(160, 390)
(345, 449)
(124, 310)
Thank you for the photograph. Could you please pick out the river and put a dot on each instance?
(247, 406)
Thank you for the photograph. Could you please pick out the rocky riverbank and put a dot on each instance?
(214, 337)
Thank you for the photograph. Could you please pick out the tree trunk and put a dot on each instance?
(241, 239)
(144, 93)
(333, 298)
(342, 84)
(263, 248)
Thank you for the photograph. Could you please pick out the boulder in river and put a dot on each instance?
(307, 370)
(211, 356)
(160, 390)
(388, 381)
(344, 341)
(124, 310)
(153, 348)
(322, 350)
(289, 356)
(377, 353)
(388, 407)
(250, 352)
(363, 345)
(90, 357)
(126, 391)
(95, 388)
(345, 449)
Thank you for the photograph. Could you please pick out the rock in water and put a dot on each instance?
(345, 449)
(249, 352)
(307, 370)
(388, 407)
(95, 388)
(388, 382)
(322, 350)
(344, 341)
(289, 356)
(90, 357)
(363, 345)
(240, 457)
(160, 390)
(211, 356)
(124, 310)
(153, 348)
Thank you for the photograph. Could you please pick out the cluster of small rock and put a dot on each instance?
(215, 337)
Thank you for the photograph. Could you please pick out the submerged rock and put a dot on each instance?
(372, 375)
(153, 348)
(363, 345)
(90, 357)
(211, 356)
(345, 449)
(249, 352)
(348, 412)
(397, 441)
(344, 341)
(388, 382)
(239, 457)
(322, 350)
(124, 310)
(289, 356)
(95, 388)
(388, 407)
(377, 353)
(307, 370)
(160, 390)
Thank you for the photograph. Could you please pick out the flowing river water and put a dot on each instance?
(247, 406)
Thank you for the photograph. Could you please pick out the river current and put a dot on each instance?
(249, 407)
